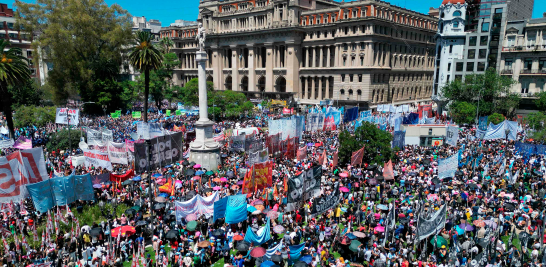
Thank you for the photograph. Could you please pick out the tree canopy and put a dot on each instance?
(83, 39)
(490, 90)
(377, 144)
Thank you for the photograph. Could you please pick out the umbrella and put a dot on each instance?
(372, 181)
(467, 227)
(196, 178)
(160, 199)
(95, 231)
(509, 206)
(191, 226)
(479, 223)
(240, 182)
(199, 172)
(141, 223)
(344, 189)
(216, 188)
(440, 241)
(256, 212)
(204, 244)
(156, 175)
(224, 155)
(432, 197)
(190, 172)
(127, 182)
(350, 236)
(307, 259)
(243, 246)
(459, 230)
(230, 174)
(300, 264)
(267, 264)
(257, 252)
(137, 178)
(260, 207)
(125, 231)
(354, 245)
(359, 234)
(218, 233)
(216, 180)
(165, 195)
(97, 186)
(197, 166)
(276, 258)
(185, 163)
(382, 207)
(256, 202)
(160, 181)
(159, 206)
(130, 212)
(238, 237)
(191, 217)
(272, 214)
(491, 224)
(209, 173)
(278, 229)
(172, 234)
(379, 229)
(344, 174)
(401, 215)
(223, 179)
(310, 144)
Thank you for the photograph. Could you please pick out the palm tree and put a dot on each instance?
(167, 43)
(13, 71)
(145, 57)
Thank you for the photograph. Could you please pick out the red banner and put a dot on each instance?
(302, 153)
(122, 177)
(424, 109)
(286, 111)
(329, 124)
(388, 172)
(356, 158)
(18, 169)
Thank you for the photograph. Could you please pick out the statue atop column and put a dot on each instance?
(201, 36)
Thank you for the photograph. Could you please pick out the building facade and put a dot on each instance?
(524, 56)
(21, 40)
(312, 50)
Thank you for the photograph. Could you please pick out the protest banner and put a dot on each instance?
(62, 118)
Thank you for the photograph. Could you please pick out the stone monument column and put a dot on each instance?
(204, 150)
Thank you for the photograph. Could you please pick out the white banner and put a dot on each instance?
(448, 167)
(107, 136)
(94, 137)
(6, 143)
(61, 117)
(198, 205)
(19, 169)
(117, 152)
(155, 130)
(452, 135)
(97, 159)
(143, 131)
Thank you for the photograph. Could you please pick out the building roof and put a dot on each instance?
(445, 2)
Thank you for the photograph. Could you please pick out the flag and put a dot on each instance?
(168, 112)
(219, 137)
(502, 167)
(322, 158)
(515, 177)
(68, 211)
(136, 115)
(356, 158)
(334, 163)
(77, 226)
(388, 172)
(23, 210)
(178, 113)
(6, 247)
(302, 154)
(24, 242)
(35, 233)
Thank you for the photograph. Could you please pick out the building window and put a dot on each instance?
(483, 40)
(450, 49)
(470, 66)
(360, 78)
(344, 61)
(531, 39)
(472, 41)
(29, 53)
(342, 78)
(524, 87)
(481, 66)
(350, 77)
(354, 47)
(511, 40)
(345, 47)
(542, 63)
(457, 13)
(528, 63)
(459, 66)
(498, 10)
(448, 66)
(471, 53)
(485, 26)
(482, 53)
(361, 61)
(508, 64)
(10, 25)
(342, 92)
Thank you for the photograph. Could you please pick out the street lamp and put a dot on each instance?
(104, 109)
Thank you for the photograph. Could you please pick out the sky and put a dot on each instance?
(167, 11)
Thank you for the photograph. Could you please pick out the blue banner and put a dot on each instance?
(351, 114)
(236, 209)
(61, 191)
(448, 167)
(483, 123)
(399, 139)
(220, 208)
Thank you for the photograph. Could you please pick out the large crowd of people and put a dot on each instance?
(494, 217)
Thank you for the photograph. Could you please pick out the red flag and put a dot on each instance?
(334, 163)
(388, 172)
(23, 210)
(356, 158)
(302, 153)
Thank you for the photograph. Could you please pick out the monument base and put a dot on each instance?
(204, 150)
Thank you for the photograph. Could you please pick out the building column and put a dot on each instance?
(313, 87)
(321, 59)
(251, 68)
(292, 63)
(320, 88)
(234, 68)
(328, 56)
(336, 55)
(328, 88)
(216, 68)
(303, 95)
(313, 56)
(269, 83)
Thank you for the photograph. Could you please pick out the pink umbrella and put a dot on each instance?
(379, 229)
(160, 181)
(223, 179)
(216, 188)
(344, 189)
(432, 197)
(197, 166)
(344, 175)
(196, 178)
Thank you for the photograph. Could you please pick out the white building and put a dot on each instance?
(450, 45)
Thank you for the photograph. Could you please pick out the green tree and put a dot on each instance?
(536, 120)
(228, 104)
(377, 144)
(541, 101)
(145, 57)
(60, 139)
(34, 115)
(14, 71)
(190, 93)
(166, 44)
(85, 41)
(463, 112)
(495, 118)
(491, 90)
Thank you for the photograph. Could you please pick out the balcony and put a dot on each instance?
(532, 48)
(534, 71)
(507, 72)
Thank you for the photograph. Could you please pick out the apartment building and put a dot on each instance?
(366, 52)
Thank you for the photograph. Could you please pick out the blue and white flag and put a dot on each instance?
(452, 135)
(399, 139)
(61, 191)
(448, 167)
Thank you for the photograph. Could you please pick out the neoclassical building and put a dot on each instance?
(310, 50)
